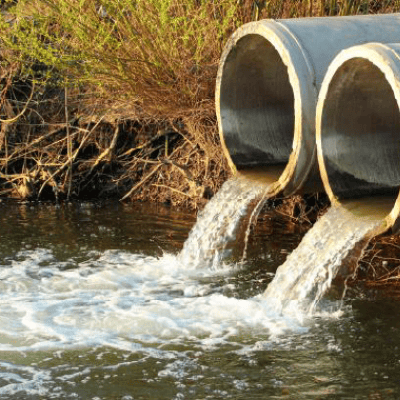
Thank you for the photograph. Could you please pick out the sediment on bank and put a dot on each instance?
(378, 270)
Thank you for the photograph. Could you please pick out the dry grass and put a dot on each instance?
(53, 151)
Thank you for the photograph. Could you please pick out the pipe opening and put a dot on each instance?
(257, 105)
(360, 133)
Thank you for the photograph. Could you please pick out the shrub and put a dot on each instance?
(159, 56)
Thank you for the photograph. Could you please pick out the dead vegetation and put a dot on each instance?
(379, 267)
(51, 148)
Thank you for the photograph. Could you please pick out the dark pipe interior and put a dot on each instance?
(360, 132)
(256, 105)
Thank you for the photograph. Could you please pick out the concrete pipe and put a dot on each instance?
(269, 77)
(358, 129)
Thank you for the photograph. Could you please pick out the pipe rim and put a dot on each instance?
(387, 61)
(301, 77)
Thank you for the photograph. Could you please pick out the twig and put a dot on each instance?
(184, 170)
(52, 144)
(171, 188)
(150, 174)
(387, 258)
(68, 161)
(136, 160)
(8, 121)
(69, 142)
(106, 151)
(391, 244)
(37, 140)
(143, 180)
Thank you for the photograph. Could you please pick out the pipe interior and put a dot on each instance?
(360, 133)
(256, 105)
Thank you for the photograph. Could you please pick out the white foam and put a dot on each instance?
(121, 299)
(29, 380)
(124, 300)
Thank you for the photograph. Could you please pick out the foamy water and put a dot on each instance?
(125, 300)
(82, 321)
(121, 299)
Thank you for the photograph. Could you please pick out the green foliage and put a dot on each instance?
(147, 50)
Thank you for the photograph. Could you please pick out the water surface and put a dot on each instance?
(95, 304)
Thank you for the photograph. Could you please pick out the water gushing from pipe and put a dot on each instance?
(309, 270)
(216, 225)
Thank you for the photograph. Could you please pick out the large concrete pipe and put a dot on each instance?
(358, 129)
(268, 81)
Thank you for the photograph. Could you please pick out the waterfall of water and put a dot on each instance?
(307, 273)
(216, 224)
(309, 270)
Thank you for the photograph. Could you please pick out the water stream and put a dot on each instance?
(309, 270)
(217, 224)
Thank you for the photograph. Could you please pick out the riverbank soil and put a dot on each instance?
(378, 270)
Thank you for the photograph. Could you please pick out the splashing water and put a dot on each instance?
(122, 300)
(309, 270)
(216, 224)
(102, 325)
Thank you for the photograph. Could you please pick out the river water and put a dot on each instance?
(95, 303)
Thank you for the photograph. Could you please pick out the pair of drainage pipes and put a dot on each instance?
(305, 100)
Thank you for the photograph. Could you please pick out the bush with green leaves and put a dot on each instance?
(160, 55)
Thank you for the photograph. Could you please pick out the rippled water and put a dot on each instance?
(96, 304)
